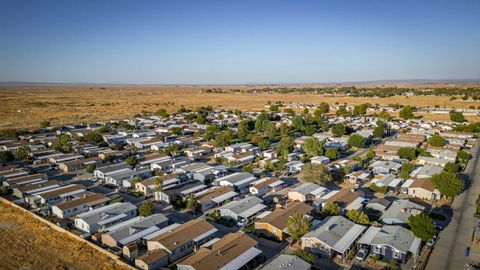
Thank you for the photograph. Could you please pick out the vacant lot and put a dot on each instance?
(26, 106)
(26, 243)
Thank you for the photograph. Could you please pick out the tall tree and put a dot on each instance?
(297, 226)
(315, 173)
(422, 226)
(448, 183)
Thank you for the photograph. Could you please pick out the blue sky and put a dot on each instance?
(202, 42)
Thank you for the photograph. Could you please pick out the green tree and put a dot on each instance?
(136, 179)
(436, 140)
(315, 173)
(341, 111)
(248, 168)
(105, 129)
(146, 209)
(332, 153)
(384, 115)
(313, 147)
(200, 119)
(243, 129)
(356, 140)
(93, 137)
(262, 122)
(5, 157)
(285, 146)
(407, 112)
(211, 132)
(379, 130)
(298, 123)
(378, 189)
(191, 203)
(23, 152)
(448, 183)
(463, 156)
(339, 130)
(451, 167)
(422, 226)
(407, 153)
(370, 154)
(224, 139)
(297, 226)
(63, 143)
(131, 160)
(173, 149)
(406, 169)
(457, 117)
(90, 168)
(44, 124)
(323, 108)
(161, 113)
(331, 209)
(358, 217)
(9, 133)
(360, 110)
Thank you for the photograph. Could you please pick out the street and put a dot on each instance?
(448, 253)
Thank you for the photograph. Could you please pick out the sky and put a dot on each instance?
(238, 42)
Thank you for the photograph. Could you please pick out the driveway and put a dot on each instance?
(448, 253)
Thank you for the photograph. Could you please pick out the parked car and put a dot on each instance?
(467, 251)
(361, 254)
(430, 243)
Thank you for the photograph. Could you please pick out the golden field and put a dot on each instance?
(26, 243)
(26, 106)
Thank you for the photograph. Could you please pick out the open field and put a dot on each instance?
(26, 243)
(26, 106)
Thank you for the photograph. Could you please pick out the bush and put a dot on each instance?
(407, 153)
(378, 189)
(356, 141)
(304, 255)
(436, 140)
(146, 209)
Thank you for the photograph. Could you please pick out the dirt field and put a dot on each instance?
(26, 106)
(26, 243)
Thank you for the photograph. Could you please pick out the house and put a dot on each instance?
(25, 180)
(294, 166)
(179, 192)
(265, 185)
(287, 262)
(358, 177)
(275, 223)
(335, 237)
(424, 172)
(239, 181)
(423, 189)
(124, 178)
(203, 172)
(378, 205)
(346, 199)
(22, 192)
(149, 185)
(387, 180)
(105, 171)
(320, 160)
(79, 205)
(214, 197)
(242, 158)
(97, 219)
(11, 172)
(391, 242)
(197, 152)
(64, 158)
(306, 192)
(234, 251)
(55, 195)
(399, 212)
(132, 230)
(153, 159)
(432, 161)
(182, 240)
(78, 164)
(387, 152)
(152, 260)
(385, 167)
(242, 210)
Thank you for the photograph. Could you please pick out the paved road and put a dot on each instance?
(449, 250)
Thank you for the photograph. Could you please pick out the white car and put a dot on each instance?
(361, 254)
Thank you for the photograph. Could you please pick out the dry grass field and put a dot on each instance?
(26, 243)
(26, 106)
